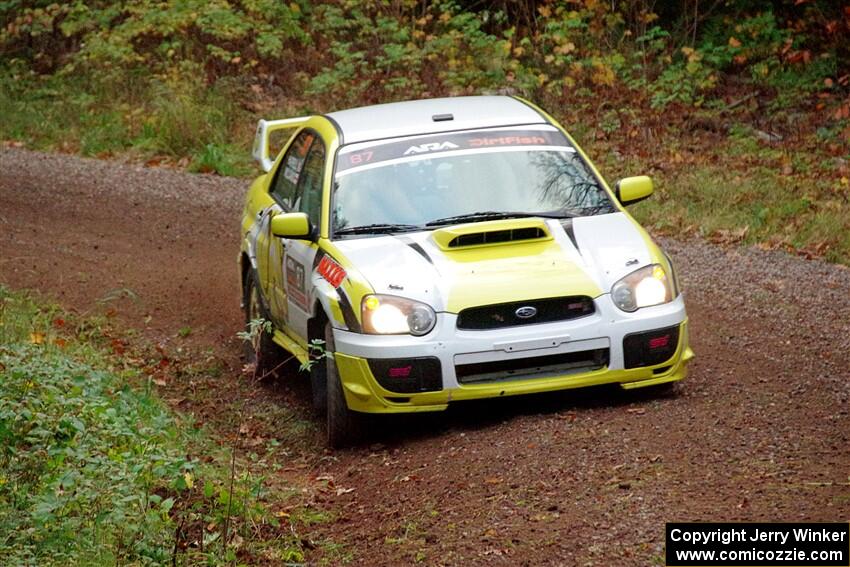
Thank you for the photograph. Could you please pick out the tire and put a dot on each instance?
(345, 427)
(268, 356)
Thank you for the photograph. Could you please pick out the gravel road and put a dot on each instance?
(760, 431)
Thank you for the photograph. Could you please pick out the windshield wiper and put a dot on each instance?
(378, 228)
(495, 215)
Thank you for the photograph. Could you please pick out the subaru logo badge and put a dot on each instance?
(526, 312)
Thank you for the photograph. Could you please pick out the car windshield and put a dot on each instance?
(462, 177)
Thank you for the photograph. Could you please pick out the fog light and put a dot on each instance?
(408, 375)
(650, 348)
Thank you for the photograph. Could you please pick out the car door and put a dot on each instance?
(283, 190)
(299, 254)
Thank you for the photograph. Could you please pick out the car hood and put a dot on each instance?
(584, 256)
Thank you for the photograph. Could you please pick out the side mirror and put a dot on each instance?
(292, 225)
(633, 189)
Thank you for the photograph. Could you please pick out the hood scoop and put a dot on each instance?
(492, 233)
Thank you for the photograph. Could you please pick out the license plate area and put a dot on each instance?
(523, 363)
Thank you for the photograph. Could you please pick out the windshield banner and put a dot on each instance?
(448, 142)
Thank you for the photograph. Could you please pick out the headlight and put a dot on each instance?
(642, 288)
(389, 315)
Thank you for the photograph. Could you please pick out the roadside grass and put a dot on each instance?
(744, 191)
(96, 470)
(169, 122)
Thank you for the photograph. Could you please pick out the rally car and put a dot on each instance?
(450, 249)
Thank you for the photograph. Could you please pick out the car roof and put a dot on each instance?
(417, 117)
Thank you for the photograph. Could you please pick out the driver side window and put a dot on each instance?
(312, 178)
(286, 179)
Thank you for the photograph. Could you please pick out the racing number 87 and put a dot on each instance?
(362, 157)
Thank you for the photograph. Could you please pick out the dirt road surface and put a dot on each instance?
(760, 431)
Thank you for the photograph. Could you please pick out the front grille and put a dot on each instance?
(505, 314)
(518, 368)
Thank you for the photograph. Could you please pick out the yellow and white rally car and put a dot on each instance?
(451, 249)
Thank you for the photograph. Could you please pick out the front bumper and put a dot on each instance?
(606, 328)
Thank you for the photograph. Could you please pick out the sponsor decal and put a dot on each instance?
(295, 289)
(447, 142)
(432, 147)
(331, 271)
(507, 141)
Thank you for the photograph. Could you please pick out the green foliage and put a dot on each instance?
(355, 52)
(221, 159)
(94, 470)
(84, 458)
(221, 35)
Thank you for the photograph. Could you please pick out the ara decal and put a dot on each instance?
(331, 271)
(432, 147)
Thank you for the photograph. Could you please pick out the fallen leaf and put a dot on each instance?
(724, 236)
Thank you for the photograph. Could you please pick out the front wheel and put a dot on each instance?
(345, 427)
(261, 351)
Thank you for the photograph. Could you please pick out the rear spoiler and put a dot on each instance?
(261, 138)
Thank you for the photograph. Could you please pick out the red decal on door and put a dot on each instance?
(331, 271)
